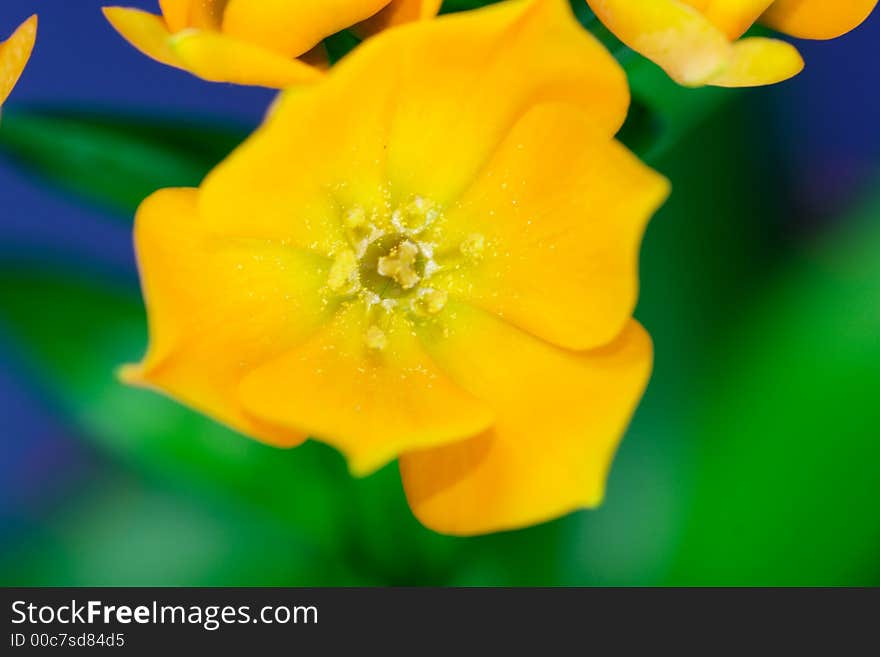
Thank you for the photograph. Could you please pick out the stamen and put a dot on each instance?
(415, 216)
(430, 301)
(399, 265)
(431, 268)
(343, 276)
(376, 339)
(356, 218)
(361, 230)
(473, 246)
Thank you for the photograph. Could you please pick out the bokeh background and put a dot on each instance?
(754, 459)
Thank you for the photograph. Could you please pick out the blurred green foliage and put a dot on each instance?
(114, 160)
(788, 474)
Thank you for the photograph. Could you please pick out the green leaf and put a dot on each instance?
(114, 161)
(788, 456)
(77, 331)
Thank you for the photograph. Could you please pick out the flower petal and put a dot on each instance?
(146, 32)
(759, 61)
(562, 211)
(209, 54)
(818, 19)
(399, 12)
(321, 151)
(466, 78)
(293, 27)
(733, 17)
(207, 14)
(176, 13)
(216, 57)
(14, 55)
(370, 404)
(676, 36)
(218, 308)
(559, 418)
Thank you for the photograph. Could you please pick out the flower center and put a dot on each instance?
(400, 264)
(388, 261)
(392, 265)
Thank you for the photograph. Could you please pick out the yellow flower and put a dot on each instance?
(430, 255)
(14, 55)
(269, 43)
(698, 42)
(399, 12)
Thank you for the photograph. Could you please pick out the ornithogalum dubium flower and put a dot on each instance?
(431, 255)
(271, 43)
(14, 55)
(698, 42)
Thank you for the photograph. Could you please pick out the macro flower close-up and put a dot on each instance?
(14, 55)
(431, 295)
(445, 274)
(271, 43)
(698, 42)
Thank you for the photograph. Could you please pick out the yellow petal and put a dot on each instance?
(398, 13)
(818, 19)
(293, 27)
(207, 53)
(487, 67)
(219, 58)
(670, 33)
(207, 14)
(176, 13)
(561, 210)
(733, 17)
(759, 61)
(321, 152)
(146, 32)
(559, 418)
(14, 55)
(366, 388)
(218, 308)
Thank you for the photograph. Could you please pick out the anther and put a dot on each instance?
(430, 301)
(473, 246)
(356, 218)
(415, 216)
(400, 265)
(343, 275)
(376, 339)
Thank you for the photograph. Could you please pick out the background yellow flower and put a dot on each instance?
(432, 254)
(271, 43)
(698, 42)
(14, 55)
